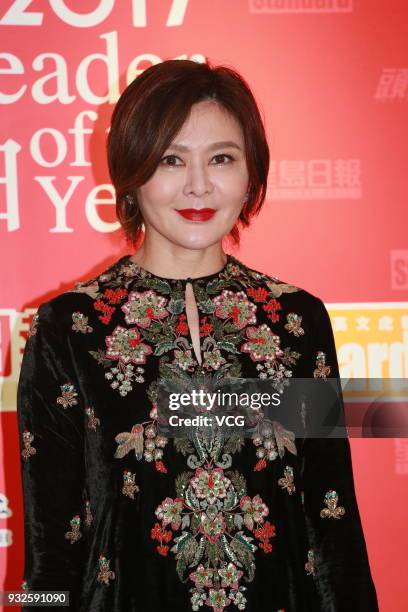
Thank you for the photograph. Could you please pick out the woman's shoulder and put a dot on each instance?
(85, 297)
(268, 286)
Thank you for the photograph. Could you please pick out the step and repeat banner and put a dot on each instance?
(331, 80)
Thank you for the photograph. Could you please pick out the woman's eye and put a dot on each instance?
(172, 157)
(224, 155)
(165, 160)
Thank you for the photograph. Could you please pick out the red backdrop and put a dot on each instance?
(331, 79)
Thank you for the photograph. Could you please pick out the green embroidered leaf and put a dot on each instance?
(243, 549)
(175, 306)
(218, 332)
(245, 541)
(155, 326)
(183, 446)
(212, 553)
(234, 443)
(238, 521)
(227, 346)
(251, 571)
(238, 481)
(172, 373)
(158, 285)
(185, 521)
(181, 567)
(231, 500)
(206, 306)
(229, 519)
(199, 552)
(190, 551)
(235, 338)
(151, 337)
(185, 549)
(99, 355)
(191, 500)
(228, 550)
(181, 541)
(216, 285)
(200, 294)
(223, 372)
(236, 369)
(230, 327)
(181, 483)
(163, 347)
(195, 523)
(152, 392)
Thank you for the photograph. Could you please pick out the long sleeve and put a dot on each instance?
(343, 577)
(50, 424)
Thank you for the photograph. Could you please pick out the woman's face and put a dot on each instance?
(198, 172)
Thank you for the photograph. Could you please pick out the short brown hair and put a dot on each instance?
(152, 110)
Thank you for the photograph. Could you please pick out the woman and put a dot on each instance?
(120, 515)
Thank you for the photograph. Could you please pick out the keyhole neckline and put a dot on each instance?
(146, 273)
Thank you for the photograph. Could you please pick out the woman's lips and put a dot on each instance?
(194, 214)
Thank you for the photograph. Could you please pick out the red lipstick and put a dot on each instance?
(194, 214)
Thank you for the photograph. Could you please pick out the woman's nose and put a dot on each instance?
(198, 178)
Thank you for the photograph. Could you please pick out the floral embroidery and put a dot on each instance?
(210, 486)
(34, 325)
(93, 421)
(161, 535)
(68, 395)
(123, 377)
(169, 512)
(322, 369)
(212, 358)
(125, 347)
(254, 510)
(80, 323)
(211, 508)
(271, 309)
(152, 444)
(75, 534)
(264, 345)
(105, 574)
(129, 485)
(294, 324)
(162, 323)
(332, 511)
(90, 287)
(310, 566)
(235, 306)
(286, 482)
(128, 441)
(277, 288)
(142, 308)
(28, 450)
(271, 439)
(277, 372)
(184, 359)
(112, 297)
(88, 513)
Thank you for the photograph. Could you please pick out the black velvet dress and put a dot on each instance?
(128, 520)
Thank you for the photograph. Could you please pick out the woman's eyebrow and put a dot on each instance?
(214, 145)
